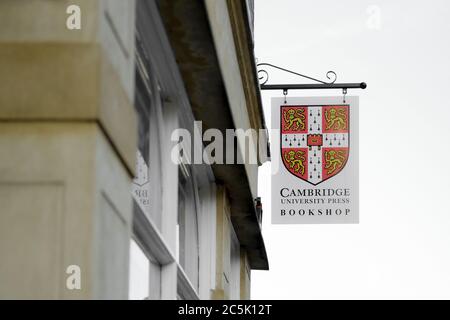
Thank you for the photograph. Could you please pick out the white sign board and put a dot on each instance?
(315, 161)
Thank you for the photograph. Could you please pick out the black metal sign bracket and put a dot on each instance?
(263, 76)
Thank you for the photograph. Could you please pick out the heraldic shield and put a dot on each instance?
(315, 140)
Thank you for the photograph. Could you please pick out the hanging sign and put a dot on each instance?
(315, 165)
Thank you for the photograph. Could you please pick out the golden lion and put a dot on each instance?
(295, 160)
(336, 119)
(295, 119)
(334, 160)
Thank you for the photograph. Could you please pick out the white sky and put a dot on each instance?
(401, 248)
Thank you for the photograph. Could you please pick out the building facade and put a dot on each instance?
(92, 204)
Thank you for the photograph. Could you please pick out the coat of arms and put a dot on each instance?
(315, 140)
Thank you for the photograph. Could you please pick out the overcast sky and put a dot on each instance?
(401, 248)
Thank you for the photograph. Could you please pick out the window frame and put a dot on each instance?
(191, 215)
(172, 111)
(235, 264)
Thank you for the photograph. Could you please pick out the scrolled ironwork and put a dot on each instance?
(263, 74)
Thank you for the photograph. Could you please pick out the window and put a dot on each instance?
(148, 105)
(190, 219)
(188, 237)
(144, 269)
(144, 274)
(235, 263)
(139, 288)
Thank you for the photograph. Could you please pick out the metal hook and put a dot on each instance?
(285, 92)
(344, 92)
